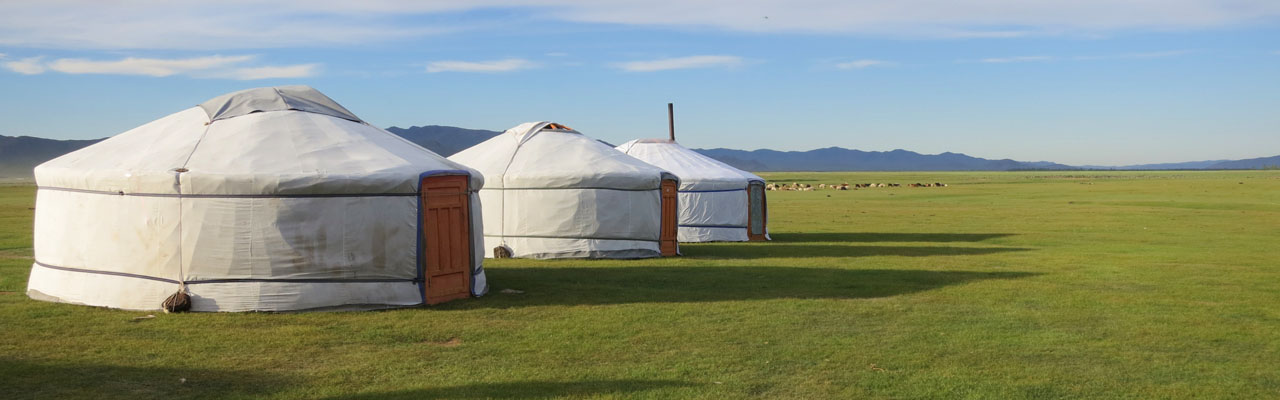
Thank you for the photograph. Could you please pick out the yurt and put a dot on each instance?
(718, 203)
(552, 192)
(268, 199)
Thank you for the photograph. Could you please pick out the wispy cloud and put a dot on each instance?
(216, 66)
(859, 64)
(506, 65)
(93, 24)
(707, 61)
(556, 54)
(26, 66)
(1122, 56)
(272, 72)
(929, 18)
(1152, 54)
(185, 25)
(158, 67)
(1015, 59)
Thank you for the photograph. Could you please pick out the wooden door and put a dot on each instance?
(758, 212)
(446, 235)
(670, 218)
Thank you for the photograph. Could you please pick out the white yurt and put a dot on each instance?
(718, 203)
(552, 192)
(268, 199)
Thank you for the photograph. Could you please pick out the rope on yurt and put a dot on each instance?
(181, 301)
(503, 251)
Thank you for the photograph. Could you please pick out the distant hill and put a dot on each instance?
(842, 159)
(1252, 163)
(19, 155)
(444, 140)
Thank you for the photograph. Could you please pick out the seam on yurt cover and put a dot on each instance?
(228, 280)
(576, 188)
(580, 237)
(225, 196)
(502, 227)
(301, 280)
(177, 183)
(713, 226)
(111, 273)
(712, 191)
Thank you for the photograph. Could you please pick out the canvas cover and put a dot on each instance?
(714, 200)
(273, 210)
(555, 193)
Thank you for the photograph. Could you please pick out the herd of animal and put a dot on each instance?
(804, 187)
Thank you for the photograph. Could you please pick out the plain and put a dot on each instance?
(1000, 285)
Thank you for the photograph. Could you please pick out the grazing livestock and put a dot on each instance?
(805, 187)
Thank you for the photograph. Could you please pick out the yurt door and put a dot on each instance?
(446, 235)
(670, 213)
(758, 211)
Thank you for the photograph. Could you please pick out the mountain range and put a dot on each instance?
(18, 155)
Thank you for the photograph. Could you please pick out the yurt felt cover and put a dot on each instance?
(555, 193)
(714, 203)
(282, 208)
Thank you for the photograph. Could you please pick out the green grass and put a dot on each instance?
(1003, 285)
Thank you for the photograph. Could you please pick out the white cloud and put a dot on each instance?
(556, 54)
(145, 66)
(232, 24)
(2, 55)
(216, 66)
(506, 65)
(26, 66)
(1016, 59)
(244, 24)
(708, 61)
(930, 18)
(859, 64)
(274, 72)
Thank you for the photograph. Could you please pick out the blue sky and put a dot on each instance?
(1078, 82)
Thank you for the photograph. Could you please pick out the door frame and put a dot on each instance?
(669, 245)
(423, 278)
(764, 213)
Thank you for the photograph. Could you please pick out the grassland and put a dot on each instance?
(1002, 285)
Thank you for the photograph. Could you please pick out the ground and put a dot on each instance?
(1001, 285)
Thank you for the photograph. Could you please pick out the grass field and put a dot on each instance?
(1003, 285)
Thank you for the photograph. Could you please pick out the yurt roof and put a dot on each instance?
(279, 98)
(289, 140)
(696, 170)
(550, 155)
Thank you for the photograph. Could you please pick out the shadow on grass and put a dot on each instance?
(71, 379)
(796, 250)
(866, 237)
(523, 390)
(618, 285)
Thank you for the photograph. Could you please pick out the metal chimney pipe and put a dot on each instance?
(671, 121)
